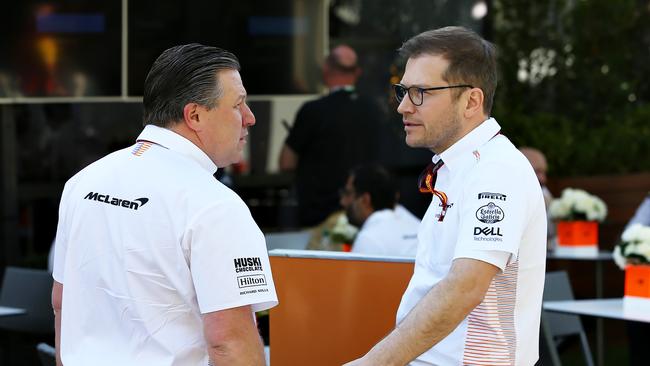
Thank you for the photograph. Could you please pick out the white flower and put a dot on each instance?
(344, 229)
(618, 258)
(559, 209)
(643, 249)
(578, 203)
(636, 240)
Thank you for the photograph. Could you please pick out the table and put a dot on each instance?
(8, 311)
(602, 256)
(602, 308)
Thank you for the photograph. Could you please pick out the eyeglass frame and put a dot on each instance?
(422, 90)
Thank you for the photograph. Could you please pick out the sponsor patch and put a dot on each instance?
(492, 196)
(490, 213)
(487, 231)
(119, 202)
(248, 264)
(487, 234)
(251, 281)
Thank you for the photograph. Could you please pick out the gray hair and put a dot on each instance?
(181, 75)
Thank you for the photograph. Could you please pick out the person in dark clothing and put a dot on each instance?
(330, 136)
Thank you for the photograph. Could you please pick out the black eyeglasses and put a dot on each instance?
(416, 94)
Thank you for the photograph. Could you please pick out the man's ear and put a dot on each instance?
(474, 103)
(191, 116)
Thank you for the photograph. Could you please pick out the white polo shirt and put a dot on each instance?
(495, 214)
(147, 241)
(388, 232)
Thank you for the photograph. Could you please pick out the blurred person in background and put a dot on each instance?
(538, 162)
(330, 136)
(370, 201)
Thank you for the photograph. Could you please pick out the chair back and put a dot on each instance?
(554, 326)
(46, 354)
(288, 240)
(29, 289)
(557, 288)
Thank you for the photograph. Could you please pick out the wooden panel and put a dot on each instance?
(332, 311)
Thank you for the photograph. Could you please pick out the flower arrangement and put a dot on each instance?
(634, 247)
(343, 232)
(577, 205)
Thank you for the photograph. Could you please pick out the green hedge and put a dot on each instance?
(620, 144)
(585, 97)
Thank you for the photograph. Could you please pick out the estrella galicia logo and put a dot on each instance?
(119, 202)
(251, 281)
(248, 264)
(492, 196)
(489, 213)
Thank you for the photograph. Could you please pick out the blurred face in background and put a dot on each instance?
(538, 162)
(352, 203)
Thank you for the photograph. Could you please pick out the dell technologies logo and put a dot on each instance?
(132, 205)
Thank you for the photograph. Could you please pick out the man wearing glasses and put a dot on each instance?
(476, 292)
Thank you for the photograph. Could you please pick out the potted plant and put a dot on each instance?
(343, 233)
(633, 255)
(577, 214)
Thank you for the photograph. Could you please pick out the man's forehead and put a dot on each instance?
(230, 80)
(424, 70)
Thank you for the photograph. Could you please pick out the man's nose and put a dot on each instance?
(249, 117)
(405, 106)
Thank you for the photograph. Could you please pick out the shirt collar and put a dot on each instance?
(347, 88)
(175, 142)
(468, 143)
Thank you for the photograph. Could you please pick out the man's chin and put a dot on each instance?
(413, 142)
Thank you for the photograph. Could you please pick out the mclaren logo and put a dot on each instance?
(133, 205)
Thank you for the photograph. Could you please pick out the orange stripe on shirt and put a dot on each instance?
(491, 338)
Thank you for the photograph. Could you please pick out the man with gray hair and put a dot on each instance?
(156, 262)
(476, 292)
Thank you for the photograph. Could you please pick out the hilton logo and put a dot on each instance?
(251, 281)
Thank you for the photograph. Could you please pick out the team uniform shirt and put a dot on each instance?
(148, 241)
(388, 232)
(495, 213)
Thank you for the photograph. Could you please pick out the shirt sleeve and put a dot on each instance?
(61, 239)
(229, 261)
(493, 214)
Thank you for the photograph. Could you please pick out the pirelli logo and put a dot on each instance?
(492, 196)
